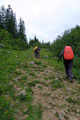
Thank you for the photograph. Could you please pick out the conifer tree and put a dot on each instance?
(21, 34)
(2, 17)
(21, 29)
(11, 24)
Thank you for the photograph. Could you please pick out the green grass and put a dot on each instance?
(34, 112)
(33, 83)
(49, 78)
(57, 84)
(18, 72)
(54, 63)
(32, 74)
(38, 62)
(10, 60)
(24, 78)
(27, 97)
(40, 87)
(12, 65)
(71, 100)
(6, 113)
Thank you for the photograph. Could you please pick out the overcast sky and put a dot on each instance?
(46, 18)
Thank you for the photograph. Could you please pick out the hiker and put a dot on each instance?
(36, 51)
(68, 55)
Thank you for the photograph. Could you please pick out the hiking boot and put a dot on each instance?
(67, 77)
(71, 81)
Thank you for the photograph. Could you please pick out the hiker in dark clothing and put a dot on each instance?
(36, 51)
(68, 61)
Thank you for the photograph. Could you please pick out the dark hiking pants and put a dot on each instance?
(36, 54)
(68, 68)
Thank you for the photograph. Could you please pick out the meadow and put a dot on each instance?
(25, 81)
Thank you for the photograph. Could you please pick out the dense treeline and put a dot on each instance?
(34, 42)
(10, 31)
(70, 37)
(12, 34)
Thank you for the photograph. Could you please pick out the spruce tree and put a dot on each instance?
(2, 17)
(21, 30)
(21, 34)
(11, 24)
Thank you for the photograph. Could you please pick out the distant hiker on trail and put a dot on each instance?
(68, 56)
(36, 51)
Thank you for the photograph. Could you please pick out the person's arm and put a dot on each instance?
(61, 55)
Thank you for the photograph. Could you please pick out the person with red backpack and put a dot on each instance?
(68, 56)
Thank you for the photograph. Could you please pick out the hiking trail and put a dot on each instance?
(59, 99)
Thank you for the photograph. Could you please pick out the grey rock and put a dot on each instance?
(8, 52)
(16, 79)
(65, 110)
(23, 64)
(46, 56)
(16, 56)
(56, 78)
(78, 115)
(23, 92)
(32, 62)
(61, 116)
(2, 46)
(78, 111)
(0, 51)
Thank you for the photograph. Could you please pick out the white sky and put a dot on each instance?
(46, 18)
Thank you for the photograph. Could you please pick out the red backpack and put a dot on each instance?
(68, 53)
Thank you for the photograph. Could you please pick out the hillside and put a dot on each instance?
(36, 89)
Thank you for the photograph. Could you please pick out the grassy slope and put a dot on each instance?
(19, 80)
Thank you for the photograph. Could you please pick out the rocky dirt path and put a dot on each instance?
(60, 99)
(57, 103)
